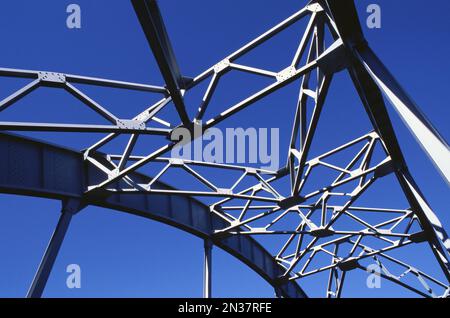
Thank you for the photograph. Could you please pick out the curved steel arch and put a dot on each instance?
(108, 180)
(34, 168)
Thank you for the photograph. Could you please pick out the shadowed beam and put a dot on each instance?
(152, 23)
(48, 260)
(130, 129)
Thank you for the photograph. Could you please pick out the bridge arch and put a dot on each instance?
(35, 168)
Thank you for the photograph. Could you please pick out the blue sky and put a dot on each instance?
(122, 255)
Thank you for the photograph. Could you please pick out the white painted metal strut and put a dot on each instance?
(307, 221)
(426, 135)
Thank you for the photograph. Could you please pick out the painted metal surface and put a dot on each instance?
(234, 220)
(62, 174)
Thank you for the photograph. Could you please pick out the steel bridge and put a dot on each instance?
(81, 178)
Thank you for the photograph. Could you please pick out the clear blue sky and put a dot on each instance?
(122, 255)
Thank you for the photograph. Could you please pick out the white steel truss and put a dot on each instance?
(311, 224)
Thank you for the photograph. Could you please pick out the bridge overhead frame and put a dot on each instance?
(91, 177)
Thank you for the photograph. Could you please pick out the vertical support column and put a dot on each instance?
(278, 293)
(207, 269)
(69, 208)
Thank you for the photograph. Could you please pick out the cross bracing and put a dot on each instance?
(317, 227)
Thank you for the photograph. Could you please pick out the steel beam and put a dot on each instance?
(345, 16)
(421, 128)
(138, 128)
(12, 72)
(277, 293)
(21, 93)
(69, 179)
(151, 21)
(207, 269)
(115, 84)
(37, 287)
(371, 79)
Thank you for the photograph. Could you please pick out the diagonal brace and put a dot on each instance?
(37, 287)
(153, 25)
